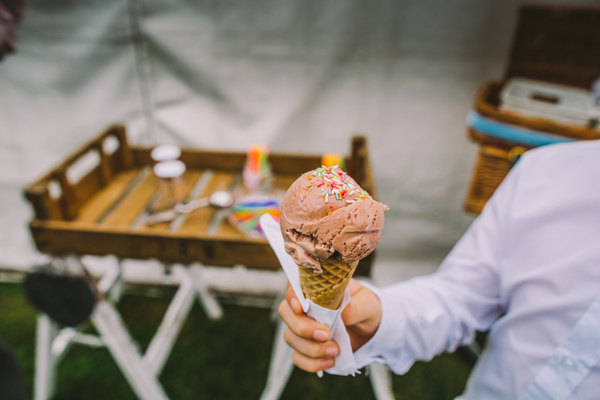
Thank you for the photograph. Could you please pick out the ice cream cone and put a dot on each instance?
(327, 289)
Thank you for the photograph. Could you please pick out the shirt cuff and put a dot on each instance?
(370, 352)
(385, 346)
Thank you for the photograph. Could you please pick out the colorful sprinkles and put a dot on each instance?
(337, 185)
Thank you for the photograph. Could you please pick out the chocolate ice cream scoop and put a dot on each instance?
(326, 214)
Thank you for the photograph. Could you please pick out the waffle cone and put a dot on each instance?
(327, 289)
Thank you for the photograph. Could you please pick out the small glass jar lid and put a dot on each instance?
(165, 152)
(169, 169)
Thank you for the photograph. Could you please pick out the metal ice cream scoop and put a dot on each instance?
(217, 199)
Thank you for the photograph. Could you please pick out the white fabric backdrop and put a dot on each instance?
(302, 75)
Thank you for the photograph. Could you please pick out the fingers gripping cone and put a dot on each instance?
(345, 364)
(327, 289)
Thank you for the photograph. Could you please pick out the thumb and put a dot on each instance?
(351, 314)
(363, 313)
(361, 317)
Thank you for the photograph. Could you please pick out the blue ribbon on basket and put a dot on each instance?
(512, 133)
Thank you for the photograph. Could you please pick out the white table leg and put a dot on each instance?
(381, 380)
(207, 301)
(159, 349)
(44, 360)
(281, 365)
(116, 338)
(141, 372)
(116, 291)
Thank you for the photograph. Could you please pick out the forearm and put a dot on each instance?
(425, 316)
(417, 323)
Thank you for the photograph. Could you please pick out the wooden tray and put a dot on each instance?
(102, 213)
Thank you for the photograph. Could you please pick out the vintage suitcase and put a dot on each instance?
(554, 44)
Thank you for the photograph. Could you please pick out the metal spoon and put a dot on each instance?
(217, 199)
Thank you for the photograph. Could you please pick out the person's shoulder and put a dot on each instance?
(562, 157)
(547, 173)
(566, 150)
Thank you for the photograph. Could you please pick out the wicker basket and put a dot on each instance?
(555, 44)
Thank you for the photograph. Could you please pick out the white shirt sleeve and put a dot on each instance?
(424, 316)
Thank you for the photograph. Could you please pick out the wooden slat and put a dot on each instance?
(199, 220)
(96, 180)
(358, 161)
(190, 179)
(85, 188)
(67, 199)
(364, 265)
(123, 153)
(133, 204)
(105, 198)
(76, 195)
(59, 238)
(115, 162)
(44, 206)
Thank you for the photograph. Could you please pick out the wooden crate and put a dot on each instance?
(557, 44)
(100, 213)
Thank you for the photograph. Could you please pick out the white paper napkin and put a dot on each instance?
(344, 362)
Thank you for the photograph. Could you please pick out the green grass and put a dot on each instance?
(225, 359)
